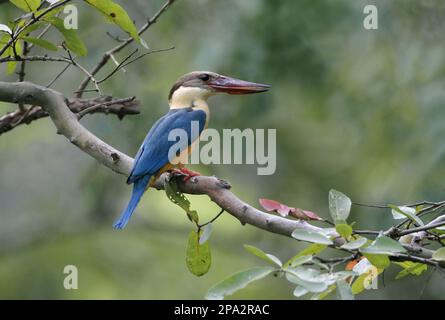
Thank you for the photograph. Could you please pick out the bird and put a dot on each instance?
(187, 103)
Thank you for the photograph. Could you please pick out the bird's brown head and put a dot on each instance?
(207, 83)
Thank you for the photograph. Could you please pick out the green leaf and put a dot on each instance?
(380, 261)
(26, 5)
(10, 66)
(5, 28)
(343, 230)
(408, 212)
(261, 254)
(72, 40)
(439, 230)
(409, 267)
(324, 294)
(117, 15)
(397, 215)
(299, 291)
(31, 28)
(178, 198)
(311, 236)
(339, 205)
(301, 260)
(311, 250)
(206, 232)
(355, 244)
(237, 281)
(344, 291)
(41, 43)
(384, 245)
(307, 278)
(439, 254)
(198, 257)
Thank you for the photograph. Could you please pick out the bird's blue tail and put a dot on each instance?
(139, 187)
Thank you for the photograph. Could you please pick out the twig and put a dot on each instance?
(118, 65)
(95, 107)
(34, 58)
(22, 72)
(124, 63)
(74, 63)
(107, 55)
(370, 205)
(58, 75)
(118, 107)
(210, 221)
(422, 228)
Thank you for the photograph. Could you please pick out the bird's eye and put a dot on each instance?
(204, 77)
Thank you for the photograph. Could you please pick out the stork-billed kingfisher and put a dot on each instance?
(188, 103)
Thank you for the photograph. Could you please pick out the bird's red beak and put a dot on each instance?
(236, 86)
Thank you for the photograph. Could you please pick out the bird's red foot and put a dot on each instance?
(186, 173)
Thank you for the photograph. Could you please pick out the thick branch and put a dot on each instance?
(55, 104)
(218, 190)
(106, 105)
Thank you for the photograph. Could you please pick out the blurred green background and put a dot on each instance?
(356, 110)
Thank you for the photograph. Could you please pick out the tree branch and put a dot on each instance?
(81, 107)
(67, 124)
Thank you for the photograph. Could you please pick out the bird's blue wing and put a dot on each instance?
(153, 154)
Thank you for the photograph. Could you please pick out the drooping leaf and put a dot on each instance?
(13, 49)
(439, 230)
(284, 210)
(407, 212)
(117, 15)
(26, 5)
(324, 294)
(344, 291)
(409, 267)
(304, 214)
(299, 291)
(41, 43)
(383, 245)
(311, 236)
(307, 278)
(205, 234)
(439, 254)
(5, 28)
(72, 40)
(355, 244)
(397, 215)
(311, 250)
(178, 198)
(237, 281)
(339, 205)
(198, 258)
(261, 254)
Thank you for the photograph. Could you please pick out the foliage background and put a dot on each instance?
(355, 110)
